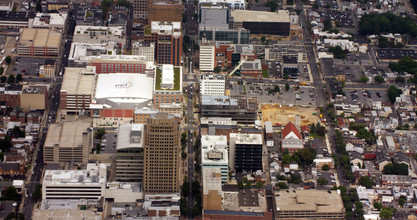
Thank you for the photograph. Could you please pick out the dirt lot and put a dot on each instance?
(285, 114)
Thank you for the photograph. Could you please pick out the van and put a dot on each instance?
(2, 52)
(13, 50)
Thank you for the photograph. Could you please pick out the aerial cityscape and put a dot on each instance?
(208, 109)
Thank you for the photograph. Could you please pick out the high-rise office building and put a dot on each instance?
(168, 41)
(161, 154)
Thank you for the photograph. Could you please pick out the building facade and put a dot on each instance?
(144, 49)
(120, 64)
(212, 84)
(39, 42)
(162, 154)
(207, 56)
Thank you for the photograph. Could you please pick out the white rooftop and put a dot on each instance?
(130, 136)
(203, 2)
(124, 87)
(55, 19)
(167, 80)
(89, 176)
(247, 138)
(85, 30)
(79, 51)
(214, 149)
(171, 28)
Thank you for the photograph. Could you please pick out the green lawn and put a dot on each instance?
(147, 30)
(177, 78)
(265, 73)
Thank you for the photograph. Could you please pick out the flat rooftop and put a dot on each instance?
(260, 16)
(67, 134)
(85, 30)
(79, 81)
(320, 201)
(50, 19)
(214, 149)
(171, 28)
(80, 51)
(39, 38)
(93, 175)
(165, 73)
(222, 2)
(130, 136)
(247, 138)
(124, 87)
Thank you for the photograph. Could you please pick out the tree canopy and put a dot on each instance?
(393, 93)
(366, 181)
(395, 169)
(338, 52)
(386, 23)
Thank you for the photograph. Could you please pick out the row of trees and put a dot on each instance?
(196, 192)
(318, 129)
(304, 156)
(354, 208)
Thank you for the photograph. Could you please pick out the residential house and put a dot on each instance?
(291, 138)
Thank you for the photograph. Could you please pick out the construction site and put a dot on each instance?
(279, 114)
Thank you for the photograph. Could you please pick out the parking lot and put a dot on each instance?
(355, 96)
(108, 144)
(305, 95)
(28, 66)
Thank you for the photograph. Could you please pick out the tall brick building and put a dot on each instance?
(168, 41)
(161, 154)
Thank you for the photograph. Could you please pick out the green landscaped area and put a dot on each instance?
(265, 73)
(147, 30)
(177, 78)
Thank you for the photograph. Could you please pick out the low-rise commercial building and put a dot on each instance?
(231, 4)
(39, 42)
(77, 90)
(212, 188)
(47, 70)
(68, 142)
(81, 53)
(75, 184)
(34, 98)
(309, 204)
(100, 35)
(214, 154)
(162, 205)
(54, 21)
(212, 84)
(121, 64)
(251, 69)
(16, 19)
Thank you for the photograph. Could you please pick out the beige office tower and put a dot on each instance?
(161, 151)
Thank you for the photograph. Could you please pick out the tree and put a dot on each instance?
(287, 86)
(248, 185)
(393, 93)
(187, 39)
(305, 156)
(11, 79)
(338, 52)
(8, 60)
(37, 194)
(294, 178)
(217, 69)
(259, 184)
(240, 185)
(183, 138)
(377, 206)
(287, 159)
(315, 6)
(19, 78)
(401, 201)
(183, 155)
(325, 167)
(17, 132)
(322, 181)
(272, 4)
(11, 193)
(1, 72)
(366, 181)
(185, 190)
(263, 39)
(379, 79)
(327, 25)
(15, 216)
(386, 213)
(38, 6)
(5, 143)
(100, 133)
(282, 185)
(366, 135)
(395, 169)
(364, 79)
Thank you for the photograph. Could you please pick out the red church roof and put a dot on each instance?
(290, 127)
